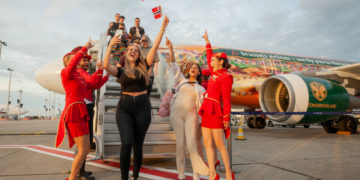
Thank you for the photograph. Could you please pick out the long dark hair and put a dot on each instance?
(225, 64)
(199, 78)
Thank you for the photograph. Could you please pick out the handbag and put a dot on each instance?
(164, 108)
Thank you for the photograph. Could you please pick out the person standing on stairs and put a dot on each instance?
(133, 112)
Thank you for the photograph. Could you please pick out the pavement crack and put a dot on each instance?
(277, 167)
(292, 171)
(16, 151)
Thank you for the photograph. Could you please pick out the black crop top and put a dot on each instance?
(130, 84)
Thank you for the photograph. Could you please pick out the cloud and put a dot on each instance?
(60, 6)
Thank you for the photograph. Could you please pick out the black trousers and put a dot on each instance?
(133, 118)
(90, 110)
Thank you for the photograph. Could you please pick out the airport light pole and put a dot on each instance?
(45, 108)
(8, 98)
(53, 107)
(2, 43)
(20, 91)
(49, 106)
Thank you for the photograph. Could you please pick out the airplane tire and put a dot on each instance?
(348, 123)
(260, 123)
(329, 127)
(306, 126)
(250, 122)
(270, 124)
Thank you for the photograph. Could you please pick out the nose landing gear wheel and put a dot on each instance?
(329, 126)
(260, 122)
(250, 122)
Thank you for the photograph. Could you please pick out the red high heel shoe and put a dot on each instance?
(217, 164)
(217, 177)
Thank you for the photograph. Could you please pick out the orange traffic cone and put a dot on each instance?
(240, 133)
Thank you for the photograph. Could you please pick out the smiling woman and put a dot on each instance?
(133, 112)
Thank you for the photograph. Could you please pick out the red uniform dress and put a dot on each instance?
(216, 107)
(74, 116)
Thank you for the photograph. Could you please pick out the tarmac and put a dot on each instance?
(27, 152)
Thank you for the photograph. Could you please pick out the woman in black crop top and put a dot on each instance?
(133, 112)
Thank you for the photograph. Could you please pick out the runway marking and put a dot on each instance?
(147, 172)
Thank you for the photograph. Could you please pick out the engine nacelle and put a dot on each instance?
(296, 93)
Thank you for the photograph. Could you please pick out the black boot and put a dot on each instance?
(85, 176)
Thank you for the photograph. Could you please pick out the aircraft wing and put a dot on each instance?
(348, 76)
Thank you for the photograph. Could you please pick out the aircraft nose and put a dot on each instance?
(48, 76)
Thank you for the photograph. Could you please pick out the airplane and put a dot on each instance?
(270, 82)
(13, 110)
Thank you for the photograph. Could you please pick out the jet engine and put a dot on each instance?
(297, 93)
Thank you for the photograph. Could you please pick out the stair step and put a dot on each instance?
(113, 88)
(109, 117)
(113, 136)
(112, 93)
(164, 126)
(112, 102)
(155, 95)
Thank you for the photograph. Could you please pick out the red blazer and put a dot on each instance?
(92, 81)
(75, 86)
(218, 94)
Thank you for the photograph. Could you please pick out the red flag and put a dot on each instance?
(157, 12)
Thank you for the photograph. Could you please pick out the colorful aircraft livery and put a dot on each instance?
(250, 68)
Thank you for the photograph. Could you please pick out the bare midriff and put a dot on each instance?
(135, 93)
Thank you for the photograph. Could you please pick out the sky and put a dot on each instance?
(40, 31)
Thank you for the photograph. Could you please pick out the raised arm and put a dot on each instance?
(102, 82)
(74, 61)
(171, 51)
(109, 32)
(178, 76)
(209, 51)
(107, 66)
(94, 79)
(152, 52)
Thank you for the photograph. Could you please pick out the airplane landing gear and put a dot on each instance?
(256, 122)
(347, 123)
(330, 126)
(343, 123)
(251, 122)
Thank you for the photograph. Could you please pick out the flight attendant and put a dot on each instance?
(216, 108)
(92, 82)
(74, 116)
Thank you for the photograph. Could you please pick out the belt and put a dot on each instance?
(213, 100)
